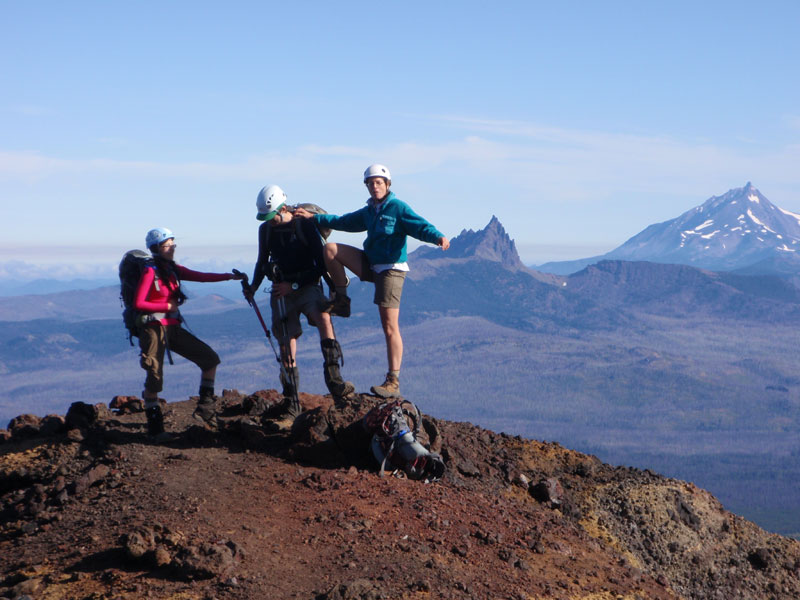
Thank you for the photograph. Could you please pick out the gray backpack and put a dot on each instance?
(324, 232)
(316, 210)
(394, 427)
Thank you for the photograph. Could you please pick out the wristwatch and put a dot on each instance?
(295, 286)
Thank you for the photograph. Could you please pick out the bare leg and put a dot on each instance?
(339, 256)
(323, 321)
(288, 353)
(390, 319)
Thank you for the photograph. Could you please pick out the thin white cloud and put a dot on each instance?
(513, 149)
(568, 165)
(33, 165)
(629, 161)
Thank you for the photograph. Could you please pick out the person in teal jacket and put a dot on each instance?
(388, 222)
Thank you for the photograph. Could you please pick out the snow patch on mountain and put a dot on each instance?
(728, 232)
(795, 216)
(757, 222)
(708, 223)
(727, 237)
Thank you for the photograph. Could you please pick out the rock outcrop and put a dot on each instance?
(91, 507)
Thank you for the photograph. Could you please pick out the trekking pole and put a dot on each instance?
(252, 302)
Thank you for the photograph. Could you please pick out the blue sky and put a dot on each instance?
(576, 123)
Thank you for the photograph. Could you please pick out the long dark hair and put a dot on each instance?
(165, 269)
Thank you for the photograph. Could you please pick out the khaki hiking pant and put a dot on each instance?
(153, 339)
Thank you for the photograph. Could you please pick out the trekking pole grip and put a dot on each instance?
(246, 291)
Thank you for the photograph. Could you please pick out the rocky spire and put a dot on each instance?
(490, 243)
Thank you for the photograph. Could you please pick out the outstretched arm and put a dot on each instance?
(418, 227)
(190, 275)
(352, 222)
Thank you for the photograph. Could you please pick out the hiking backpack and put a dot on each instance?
(316, 210)
(394, 441)
(131, 267)
(324, 232)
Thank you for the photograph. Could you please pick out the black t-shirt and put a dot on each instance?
(296, 248)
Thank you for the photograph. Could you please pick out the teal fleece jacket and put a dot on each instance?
(387, 228)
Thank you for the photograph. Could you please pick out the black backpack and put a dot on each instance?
(324, 232)
(394, 427)
(131, 268)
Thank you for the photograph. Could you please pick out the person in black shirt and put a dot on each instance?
(290, 255)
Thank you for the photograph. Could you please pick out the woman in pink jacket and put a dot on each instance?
(157, 298)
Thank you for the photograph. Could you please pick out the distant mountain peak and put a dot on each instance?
(490, 243)
(738, 228)
(741, 230)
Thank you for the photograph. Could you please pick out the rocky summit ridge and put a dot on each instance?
(90, 507)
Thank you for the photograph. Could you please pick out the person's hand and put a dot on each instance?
(443, 243)
(247, 292)
(172, 306)
(301, 213)
(281, 289)
(238, 275)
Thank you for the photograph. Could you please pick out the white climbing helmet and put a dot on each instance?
(377, 170)
(269, 202)
(158, 236)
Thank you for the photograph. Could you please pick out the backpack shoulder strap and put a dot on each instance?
(412, 412)
(267, 234)
(298, 230)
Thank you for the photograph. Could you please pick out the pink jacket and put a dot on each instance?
(154, 294)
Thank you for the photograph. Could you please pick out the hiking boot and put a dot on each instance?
(332, 356)
(339, 306)
(155, 420)
(342, 391)
(206, 411)
(291, 410)
(290, 380)
(155, 425)
(389, 389)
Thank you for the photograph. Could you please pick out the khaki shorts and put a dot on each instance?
(388, 283)
(307, 299)
(389, 288)
(153, 340)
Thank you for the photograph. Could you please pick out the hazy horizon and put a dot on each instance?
(65, 263)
